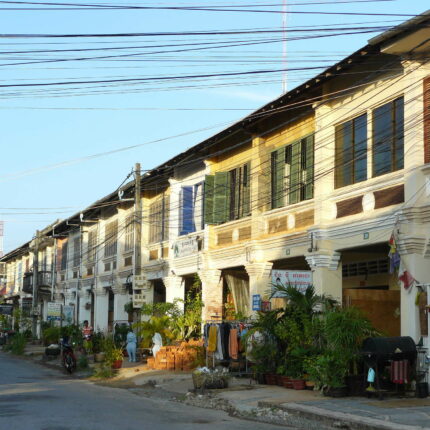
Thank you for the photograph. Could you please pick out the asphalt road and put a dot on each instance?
(33, 397)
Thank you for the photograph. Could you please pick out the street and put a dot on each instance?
(33, 397)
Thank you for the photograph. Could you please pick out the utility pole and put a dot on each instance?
(137, 224)
(35, 283)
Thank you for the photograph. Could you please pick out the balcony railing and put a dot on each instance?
(44, 279)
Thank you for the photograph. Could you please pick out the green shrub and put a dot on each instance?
(51, 335)
(82, 362)
(103, 372)
(17, 344)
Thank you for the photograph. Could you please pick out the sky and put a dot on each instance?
(164, 76)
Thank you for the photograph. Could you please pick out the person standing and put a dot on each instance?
(87, 333)
(131, 346)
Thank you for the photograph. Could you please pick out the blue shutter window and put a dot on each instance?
(187, 218)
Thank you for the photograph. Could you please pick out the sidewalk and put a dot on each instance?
(244, 398)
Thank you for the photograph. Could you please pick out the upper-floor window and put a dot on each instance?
(159, 219)
(111, 238)
(292, 173)
(351, 151)
(129, 233)
(227, 195)
(191, 204)
(63, 259)
(91, 246)
(76, 251)
(388, 136)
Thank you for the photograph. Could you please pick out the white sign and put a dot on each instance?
(185, 247)
(54, 311)
(301, 279)
(139, 300)
(68, 314)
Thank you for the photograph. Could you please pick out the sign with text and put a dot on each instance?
(256, 302)
(68, 314)
(54, 311)
(301, 279)
(6, 309)
(139, 299)
(186, 247)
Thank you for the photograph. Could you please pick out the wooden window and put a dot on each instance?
(91, 246)
(388, 134)
(389, 196)
(426, 119)
(292, 173)
(227, 195)
(76, 251)
(64, 256)
(351, 152)
(129, 233)
(159, 219)
(111, 238)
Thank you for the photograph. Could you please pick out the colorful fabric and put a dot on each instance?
(233, 345)
(393, 255)
(399, 371)
(407, 279)
(212, 341)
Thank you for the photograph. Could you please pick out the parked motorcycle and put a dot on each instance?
(67, 355)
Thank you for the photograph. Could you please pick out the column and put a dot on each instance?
(326, 273)
(175, 289)
(212, 294)
(121, 297)
(101, 309)
(259, 280)
(84, 313)
(417, 266)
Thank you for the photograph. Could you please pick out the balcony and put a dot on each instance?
(44, 279)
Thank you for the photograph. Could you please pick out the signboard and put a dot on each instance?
(301, 279)
(139, 300)
(68, 315)
(256, 302)
(139, 281)
(54, 311)
(6, 309)
(186, 247)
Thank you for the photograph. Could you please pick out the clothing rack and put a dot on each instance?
(234, 325)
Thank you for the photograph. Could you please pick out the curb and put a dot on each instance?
(338, 419)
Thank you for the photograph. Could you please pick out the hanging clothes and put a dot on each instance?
(399, 371)
(212, 338)
(225, 335)
(219, 347)
(233, 347)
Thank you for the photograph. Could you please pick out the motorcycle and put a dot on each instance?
(67, 355)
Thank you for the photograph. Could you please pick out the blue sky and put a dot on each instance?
(42, 126)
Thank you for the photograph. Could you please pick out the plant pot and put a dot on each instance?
(287, 383)
(117, 364)
(298, 384)
(336, 391)
(309, 385)
(99, 357)
(270, 378)
(279, 380)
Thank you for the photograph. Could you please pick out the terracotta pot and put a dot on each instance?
(117, 364)
(298, 384)
(309, 385)
(270, 378)
(286, 380)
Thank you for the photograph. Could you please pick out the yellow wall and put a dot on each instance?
(296, 130)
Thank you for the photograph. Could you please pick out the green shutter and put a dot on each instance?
(278, 180)
(294, 183)
(208, 206)
(221, 205)
(246, 189)
(309, 168)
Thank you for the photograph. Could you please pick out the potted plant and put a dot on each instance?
(98, 339)
(113, 354)
(345, 329)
